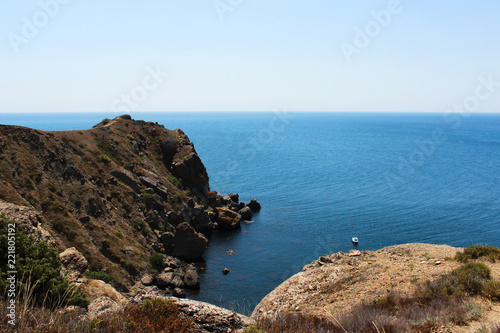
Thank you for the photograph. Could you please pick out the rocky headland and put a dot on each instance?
(113, 197)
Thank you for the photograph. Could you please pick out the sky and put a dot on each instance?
(248, 55)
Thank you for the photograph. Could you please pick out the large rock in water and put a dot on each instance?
(228, 219)
(254, 205)
(246, 213)
(188, 244)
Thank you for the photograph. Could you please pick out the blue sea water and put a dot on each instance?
(324, 177)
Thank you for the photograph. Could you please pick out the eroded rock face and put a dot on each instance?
(30, 219)
(188, 244)
(74, 262)
(210, 318)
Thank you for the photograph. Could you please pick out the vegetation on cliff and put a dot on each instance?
(38, 267)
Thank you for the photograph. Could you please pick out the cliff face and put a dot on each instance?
(117, 192)
(335, 284)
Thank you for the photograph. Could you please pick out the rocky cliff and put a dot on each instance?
(337, 283)
(117, 193)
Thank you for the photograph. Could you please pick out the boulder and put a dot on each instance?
(172, 262)
(254, 205)
(167, 239)
(234, 197)
(158, 188)
(228, 219)
(178, 292)
(192, 279)
(225, 271)
(165, 279)
(102, 306)
(30, 219)
(127, 178)
(169, 279)
(188, 244)
(98, 288)
(73, 258)
(210, 318)
(147, 280)
(246, 213)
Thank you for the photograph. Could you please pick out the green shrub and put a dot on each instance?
(130, 137)
(468, 279)
(479, 251)
(156, 260)
(100, 275)
(176, 182)
(28, 184)
(105, 121)
(38, 266)
(492, 290)
(105, 159)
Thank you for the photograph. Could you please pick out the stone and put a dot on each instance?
(225, 271)
(188, 244)
(167, 238)
(354, 253)
(169, 279)
(165, 279)
(178, 292)
(147, 280)
(102, 306)
(98, 288)
(228, 219)
(192, 279)
(172, 262)
(127, 178)
(211, 318)
(71, 257)
(246, 213)
(254, 205)
(234, 197)
(30, 219)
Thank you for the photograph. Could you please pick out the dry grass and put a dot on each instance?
(155, 315)
(444, 301)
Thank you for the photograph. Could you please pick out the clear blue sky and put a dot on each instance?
(252, 55)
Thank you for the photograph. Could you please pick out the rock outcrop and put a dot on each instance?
(188, 244)
(31, 220)
(210, 318)
(74, 262)
(339, 281)
(117, 192)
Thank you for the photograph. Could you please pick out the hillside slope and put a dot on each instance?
(118, 192)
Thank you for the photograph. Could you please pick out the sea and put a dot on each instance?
(323, 178)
